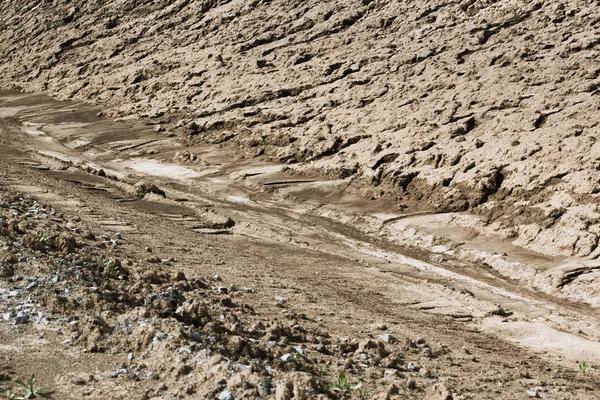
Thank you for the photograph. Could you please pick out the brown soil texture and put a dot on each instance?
(482, 105)
(243, 199)
(140, 313)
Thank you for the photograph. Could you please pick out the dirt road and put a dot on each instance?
(305, 246)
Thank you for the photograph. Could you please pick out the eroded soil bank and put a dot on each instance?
(439, 106)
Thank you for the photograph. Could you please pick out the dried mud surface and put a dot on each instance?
(256, 167)
(133, 267)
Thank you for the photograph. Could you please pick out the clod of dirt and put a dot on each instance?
(143, 188)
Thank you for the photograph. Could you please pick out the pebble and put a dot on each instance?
(222, 290)
(386, 337)
(225, 395)
(21, 318)
(118, 235)
(411, 366)
(216, 277)
(202, 284)
(280, 299)
(158, 337)
(130, 356)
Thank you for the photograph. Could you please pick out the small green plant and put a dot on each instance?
(365, 394)
(299, 360)
(583, 367)
(32, 390)
(324, 371)
(111, 267)
(343, 385)
(107, 265)
(42, 239)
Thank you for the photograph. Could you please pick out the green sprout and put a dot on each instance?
(343, 385)
(42, 239)
(32, 390)
(112, 268)
(583, 367)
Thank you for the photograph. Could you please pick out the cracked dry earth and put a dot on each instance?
(272, 192)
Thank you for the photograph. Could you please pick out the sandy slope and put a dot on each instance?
(482, 105)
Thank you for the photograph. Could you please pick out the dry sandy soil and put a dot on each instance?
(272, 192)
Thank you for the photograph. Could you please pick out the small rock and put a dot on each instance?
(21, 318)
(216, 277)
(130, 356)
(280, 299)
(412, 366)
(202, 284)
(159, 336)
(386, 337)
(118, 236)
(222, 290)
(225, 395)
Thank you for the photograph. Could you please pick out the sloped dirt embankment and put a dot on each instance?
(475, 105)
